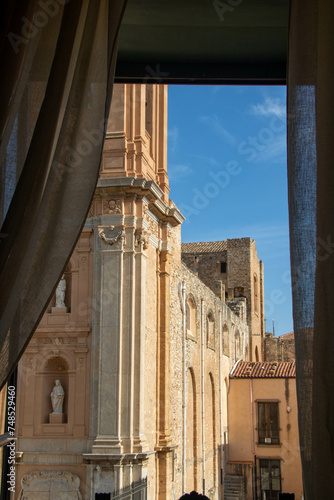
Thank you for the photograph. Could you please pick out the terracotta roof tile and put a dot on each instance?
(289, 335)
(264, 369)
(204, 247)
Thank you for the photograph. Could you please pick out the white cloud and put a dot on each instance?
(206, 159)
(273, 152)
(271, 106)
(273, 236)
(214, 123)
(177, 172)
(173, 137)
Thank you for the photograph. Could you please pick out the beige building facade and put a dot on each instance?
(142, 334)
(264, 444)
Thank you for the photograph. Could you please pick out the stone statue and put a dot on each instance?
(57, 398)
(60, 292)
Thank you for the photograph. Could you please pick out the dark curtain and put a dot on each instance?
(57, 59)
(311, 208)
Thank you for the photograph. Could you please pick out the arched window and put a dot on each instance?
(226, 341)
(191, 317)
(256, 294)
(210, 325)
(237, 345)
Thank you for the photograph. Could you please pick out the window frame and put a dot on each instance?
(265, 436)
(272, 463)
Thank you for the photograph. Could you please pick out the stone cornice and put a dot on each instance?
(117, 458)
(142, 187)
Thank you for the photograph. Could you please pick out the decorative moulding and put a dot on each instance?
(57, 483)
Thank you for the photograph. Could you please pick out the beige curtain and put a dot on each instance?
(57, 59)
(311, 208)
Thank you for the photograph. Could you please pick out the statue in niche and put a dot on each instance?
(57, 398)
(60, 292)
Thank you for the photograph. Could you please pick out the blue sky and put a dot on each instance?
(227, 174)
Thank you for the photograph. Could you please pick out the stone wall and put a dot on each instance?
(278, 349)
(208, 267)
(243, 277)
(204, 361)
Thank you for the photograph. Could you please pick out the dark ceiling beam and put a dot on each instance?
(198, 73)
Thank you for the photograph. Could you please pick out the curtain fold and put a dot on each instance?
(311, 209)
(54, 113)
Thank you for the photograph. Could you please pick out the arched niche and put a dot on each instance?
(55, 368)
(226, 340)
(237, 345)
(256, 293)
(191, 316)
(210, 329)
(68, 291)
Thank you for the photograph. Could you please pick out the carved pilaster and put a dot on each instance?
(119, 331)
(163, 381)
(107, 340)
(139, 440)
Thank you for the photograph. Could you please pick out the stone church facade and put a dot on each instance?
(145, 339)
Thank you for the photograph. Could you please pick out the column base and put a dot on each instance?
(107, 447)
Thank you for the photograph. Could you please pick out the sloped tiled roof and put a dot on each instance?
(289, 335)
(264, 369)
(204, 247)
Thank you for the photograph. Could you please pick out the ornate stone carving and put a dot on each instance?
(56, 341)
(56, 363)
(80, 363)
(142, 238)
(112, 207)
(112, 235)
(91, 211)
(57, 398)
(83, 263)
(59, 484)
(60, 292)
(31, 364)
(152, 226)
(145, 210)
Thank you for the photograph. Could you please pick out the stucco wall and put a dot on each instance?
(243, 428)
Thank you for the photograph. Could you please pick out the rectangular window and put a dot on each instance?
(268, 423)
(270, 479)
(223, 267)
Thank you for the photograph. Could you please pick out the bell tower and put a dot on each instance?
(136, 140)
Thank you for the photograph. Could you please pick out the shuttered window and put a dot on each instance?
(268, 423)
